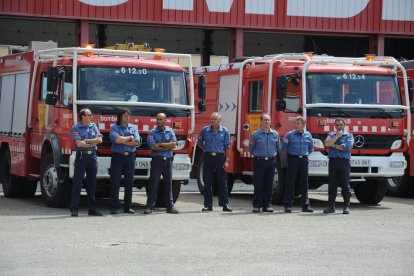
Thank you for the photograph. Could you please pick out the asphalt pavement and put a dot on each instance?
(372, 240)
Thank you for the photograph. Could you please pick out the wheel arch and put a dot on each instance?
(51, 143)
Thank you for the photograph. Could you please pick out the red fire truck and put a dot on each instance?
(43, 91)
(320, 88)
(404, 186)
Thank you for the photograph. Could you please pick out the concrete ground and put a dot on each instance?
(372, 240)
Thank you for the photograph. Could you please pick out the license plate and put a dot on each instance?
(141, 165)
(360, 163)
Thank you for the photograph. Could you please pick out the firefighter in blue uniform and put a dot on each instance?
(161, 141)
(297, 145)
(339, 143)
(125, 139)
(215, 141)
(85, 136)
(264, 144)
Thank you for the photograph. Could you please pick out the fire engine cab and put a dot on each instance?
(365, 91)
(42, 92)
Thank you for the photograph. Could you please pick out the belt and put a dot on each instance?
(214, 153)
(126, 153)
(265, 158)
(87, 151)
(298, 156)
(161, 157)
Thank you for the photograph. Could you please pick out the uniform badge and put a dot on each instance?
(76, 133)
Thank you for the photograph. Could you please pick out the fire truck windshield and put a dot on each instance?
(349, 88)
(132, 84)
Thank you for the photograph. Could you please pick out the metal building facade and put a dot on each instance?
(344, 16)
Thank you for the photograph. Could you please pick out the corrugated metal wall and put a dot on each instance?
(344, 16)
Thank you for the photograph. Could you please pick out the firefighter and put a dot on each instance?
(339, 143)
(125, 139)
(215, 141)
(161, 141)
(297, 145)
(85, 136)
(264, 144)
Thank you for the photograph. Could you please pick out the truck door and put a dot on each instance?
(287, 102)
(253, 109)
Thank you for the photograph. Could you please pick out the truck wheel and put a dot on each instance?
(10, 185)
(200, 181)
(400, 186)
(370, 192)
(55, 183)
(175, 187)
(278, 184)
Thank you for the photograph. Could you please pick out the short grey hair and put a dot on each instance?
(216, 114)
(340, 119)
(300, 118)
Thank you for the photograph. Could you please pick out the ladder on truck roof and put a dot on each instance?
(381, 62)
(74, 52)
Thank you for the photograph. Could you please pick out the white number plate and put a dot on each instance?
(360, 163)
(141, 165)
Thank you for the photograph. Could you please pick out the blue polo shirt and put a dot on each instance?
(119, 130)
(214, 141)
(346, 140)
(296, 143)
(157, 136)
(264, 144)
(81, 132)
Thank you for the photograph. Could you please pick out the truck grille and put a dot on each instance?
(370, 141)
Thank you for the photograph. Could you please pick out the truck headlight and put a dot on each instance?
(318, 163)
(180, 144)
(397, 164)
(181, 166)
(396, 144)
(317, 143)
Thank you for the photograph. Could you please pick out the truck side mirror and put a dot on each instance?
(202, 87)
(52, 79)
(280, 105)
(410, 90)
(51, 98)
(202, 106)
(281, 87)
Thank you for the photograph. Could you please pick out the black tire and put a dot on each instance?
(371, 191)
(400, 186)
(278, 184)
(175, 187)
(11, 187)
(200, 181)
(55, 184)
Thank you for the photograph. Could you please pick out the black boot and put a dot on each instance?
(331, 207)
(346, 206)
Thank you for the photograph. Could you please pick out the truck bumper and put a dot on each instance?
(181, 167)
(362, 166)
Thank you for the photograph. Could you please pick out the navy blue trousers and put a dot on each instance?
(159, 167)
(122, 165)
(263, 176)
(89, 164)
(213, 166)
(339, 173)
(297, 169)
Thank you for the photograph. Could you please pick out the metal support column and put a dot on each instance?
(236, 44)
(377, 45)
(82, 32)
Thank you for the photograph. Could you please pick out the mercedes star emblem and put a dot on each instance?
(359, 141)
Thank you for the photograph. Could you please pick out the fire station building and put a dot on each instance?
(232, 28)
